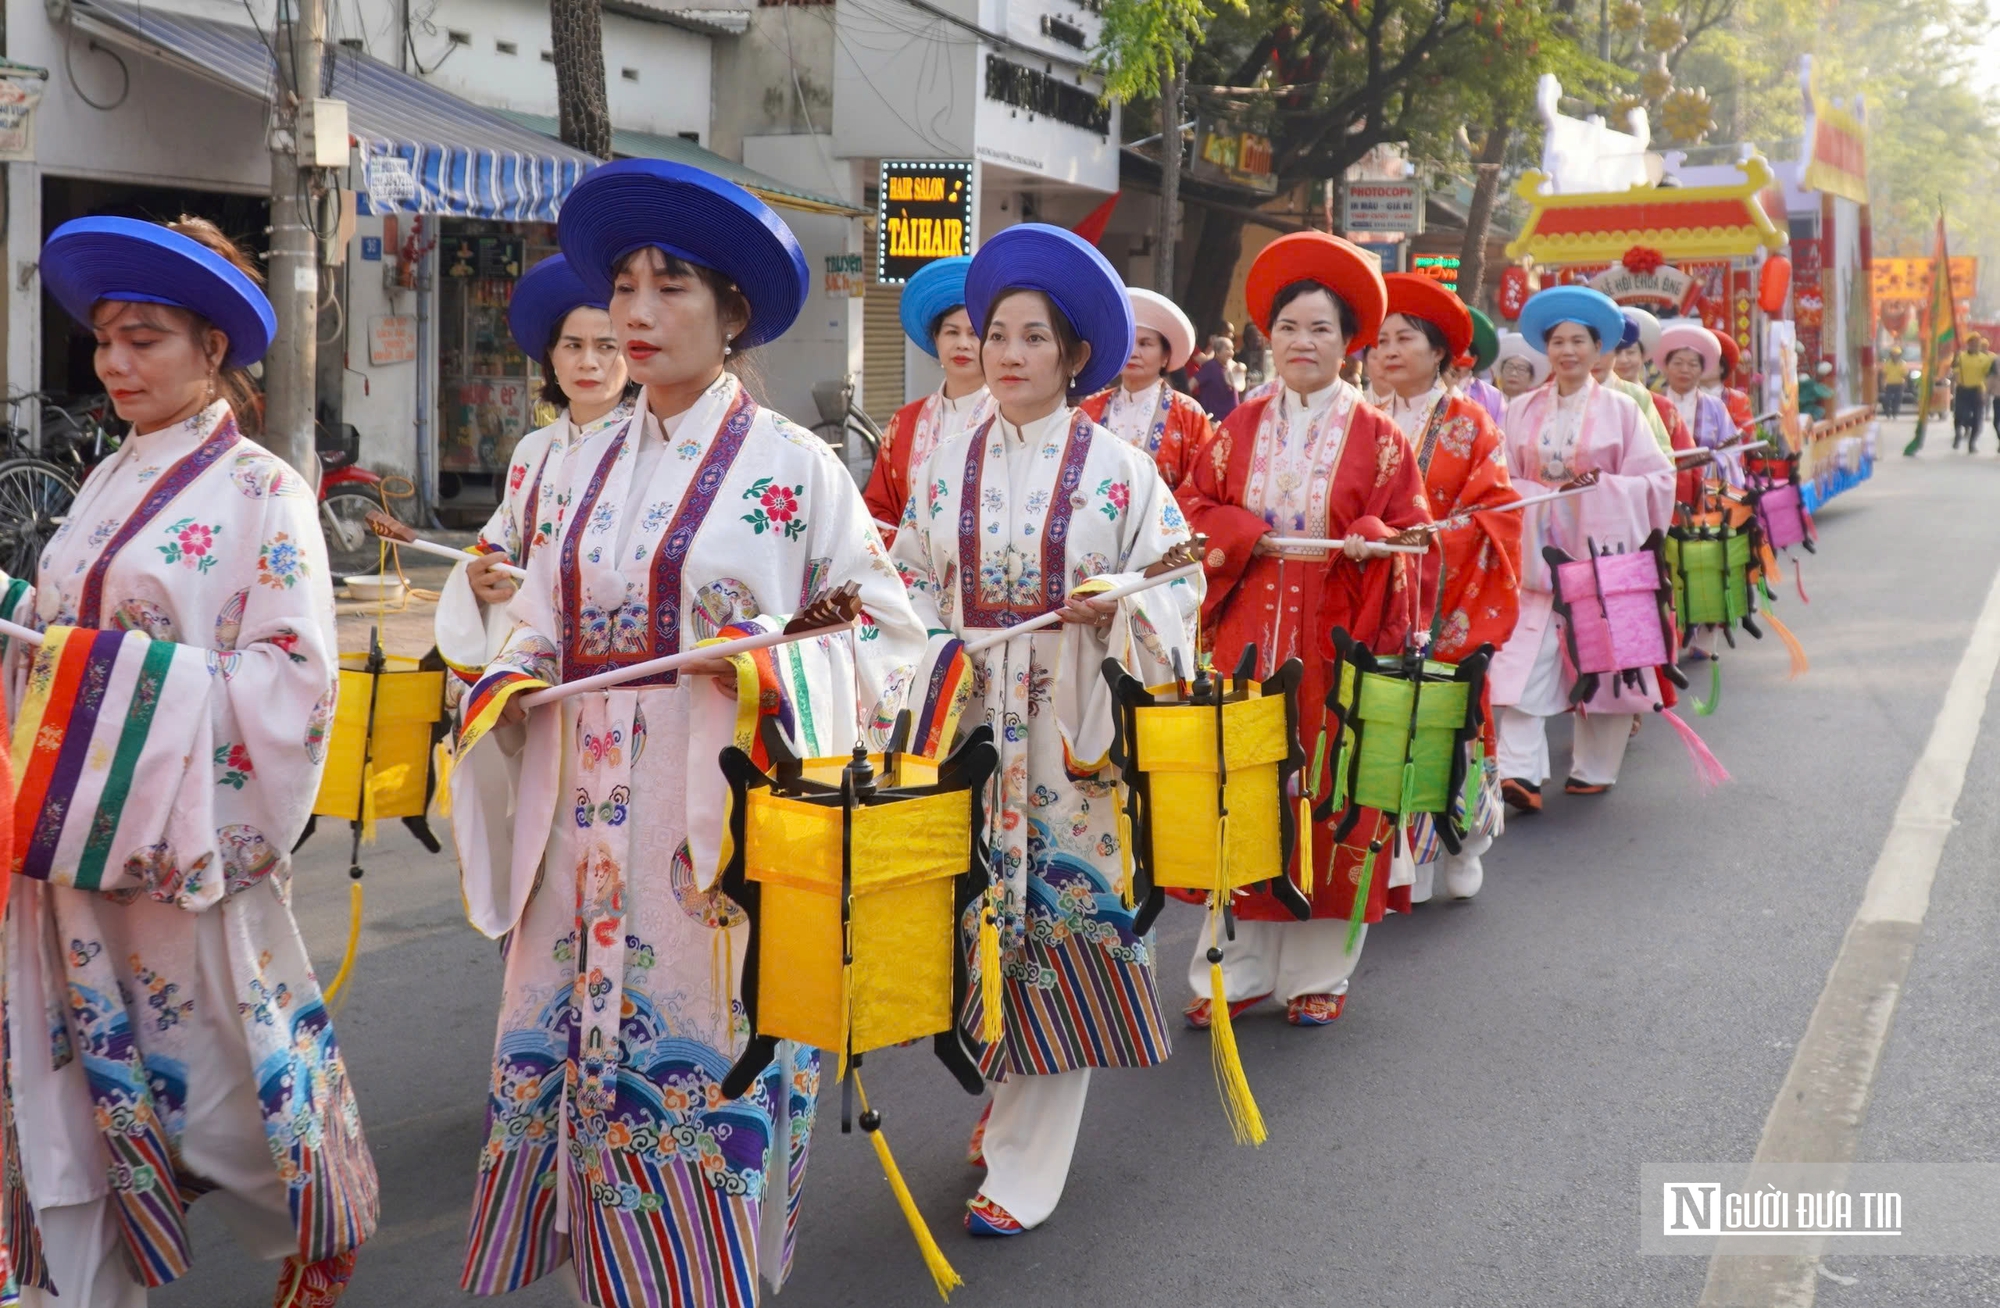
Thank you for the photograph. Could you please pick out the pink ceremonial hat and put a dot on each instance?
(1155, 312)
(1686, 334)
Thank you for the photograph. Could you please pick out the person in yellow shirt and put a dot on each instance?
(1895, 380)
(1968, 398)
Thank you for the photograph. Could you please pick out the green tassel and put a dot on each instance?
(1706, 707)
(1358, 918)
(1340, 775)
(1408, 801)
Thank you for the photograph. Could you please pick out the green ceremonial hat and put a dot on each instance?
(1485, 342)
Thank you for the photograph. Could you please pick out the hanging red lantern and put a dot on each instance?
(1513, 292)
(1773, 283)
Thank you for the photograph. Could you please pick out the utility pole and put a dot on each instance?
(293, 267)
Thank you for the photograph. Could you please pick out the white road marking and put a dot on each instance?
(1821, 1106)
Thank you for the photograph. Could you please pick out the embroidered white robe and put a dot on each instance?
(608, 1142)
(470, 633)
(1002, 525)
(198, 537)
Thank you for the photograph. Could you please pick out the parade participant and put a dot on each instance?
(933, 313)
(1009, 521)
(1816, 400)
(1968, 396)
(702, 512)
(1894, 376)
(1475, 569)
(1379, 391)
(177, 1043)
(1518, 366)
(1642, 398)
(1554, 436)
(1717, 383)
(1314, 461)
(1685, 352)
(1142, 408)
(1635, 347)
(552, 319)
(1485, 349)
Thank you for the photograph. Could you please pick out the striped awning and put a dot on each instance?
(423, 150)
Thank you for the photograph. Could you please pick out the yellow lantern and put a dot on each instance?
(1218, 756)
(378, 752)
(854, 874)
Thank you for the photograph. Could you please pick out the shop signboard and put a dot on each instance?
(18, 98)
(392, 338)
(924, 214)
(1440, 268)
(1377, 205)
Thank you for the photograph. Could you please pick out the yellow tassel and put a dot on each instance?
(993, 1023)
(1125, 856)
(1305, 846)
(368, 805)
(942, 1272)
(1246, 1122)
(441, 761)
(1800, 664)
(353, 940)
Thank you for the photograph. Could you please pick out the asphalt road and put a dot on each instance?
(1628, 989)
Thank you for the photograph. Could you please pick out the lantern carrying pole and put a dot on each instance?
(674, 662)
(993, 638)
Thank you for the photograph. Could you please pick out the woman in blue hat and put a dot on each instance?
(184, 692)
(1556, 434)
(934, 319)
(589, 833)
(1023, 516)
(557, 322)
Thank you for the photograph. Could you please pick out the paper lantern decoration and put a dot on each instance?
(1664, 32)
(1628, 16)
(1687, 114)
(1514, 290)
(379, 756)
(1774, 282)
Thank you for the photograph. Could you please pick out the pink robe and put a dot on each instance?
(1634, 497)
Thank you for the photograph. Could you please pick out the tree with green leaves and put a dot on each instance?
(1143, 51)
(1329, 80)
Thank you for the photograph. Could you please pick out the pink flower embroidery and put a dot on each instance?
(196, 540)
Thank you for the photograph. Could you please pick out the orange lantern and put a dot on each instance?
(1773, 283)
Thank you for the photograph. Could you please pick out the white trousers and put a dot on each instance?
(1597, 747)
(1281, 959)
(223, 1141)
(1030, 1137)
(1457, 868)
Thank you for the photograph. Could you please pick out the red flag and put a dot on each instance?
(1092, 227)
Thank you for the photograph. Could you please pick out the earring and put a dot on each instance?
(727, 349)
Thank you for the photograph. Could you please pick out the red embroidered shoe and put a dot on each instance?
(975, 1151)
(985, 1218)
(1521, 795)
(314, 1285)
(1199, 1019)
(1314, 1010)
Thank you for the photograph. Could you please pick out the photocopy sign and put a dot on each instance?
(1382, 206)
(924, 214)
(391, 181)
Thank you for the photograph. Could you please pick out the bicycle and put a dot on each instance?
(36, 491)
(841, 418)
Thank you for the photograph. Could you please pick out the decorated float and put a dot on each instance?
(1760, 254)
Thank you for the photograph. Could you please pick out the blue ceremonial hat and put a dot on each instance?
(542, 299)
(1078, 280)
(1630, 336)
(625, 206)
(935, 291)
(1579, 304)
(90, 259)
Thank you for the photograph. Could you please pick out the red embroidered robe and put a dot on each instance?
(1375, 490)
(1178, 429)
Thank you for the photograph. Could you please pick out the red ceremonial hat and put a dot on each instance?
(1416, 296)
(1340, 266)
(1731, 351)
